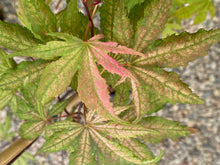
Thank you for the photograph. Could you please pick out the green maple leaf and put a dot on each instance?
(98, 133)
(132, 61)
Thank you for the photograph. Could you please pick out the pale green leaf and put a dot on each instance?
(7, 63)
(61, 140)
(179, 50)
(37, 17)
(16, 37)
(5, 97)
(150, 27)
(49, 51)
(83, 155)
(123, 131)
(57, 76)
(59, 107)
(32, 130)
(122, 29)
(112, 150)
(140, 149)
(63, 125)
(166, 84)
(26, 72)
(166, 129)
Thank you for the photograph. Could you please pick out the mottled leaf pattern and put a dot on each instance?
(49, 51)
(66, 137)
(123, 131)
(117, 83)
(32, 130)
(26, 72)
(107, 14)
(57, 76)
(122, 29)
(37, 17)
(179, 50)
(84, 154)
(166, 84)
(166, 128)
(152, 25)
(16, 37)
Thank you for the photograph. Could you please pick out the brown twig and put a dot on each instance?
(90, 21)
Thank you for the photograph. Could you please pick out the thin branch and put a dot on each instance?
(90, 20)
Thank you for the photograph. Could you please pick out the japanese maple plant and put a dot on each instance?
(116, 71)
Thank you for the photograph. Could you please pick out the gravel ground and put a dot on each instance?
(203, 77)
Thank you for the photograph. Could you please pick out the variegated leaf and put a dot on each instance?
(37, 17)
(57, 76)
(49, 51)
(83, 155)
(140, 149)
(155, 17)
(5, 98)
(175, 51)
(25, 73)
(32, 130)
(123, 131)
(166, 84)
(62, 125)
(113, 150)
(166, 128)
(16, 37)
(61, 140)
(122, 29)
(92, 88)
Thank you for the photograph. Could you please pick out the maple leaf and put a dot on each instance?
(98, 133)
(36, 119)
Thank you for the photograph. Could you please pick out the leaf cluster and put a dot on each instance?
(118, 77)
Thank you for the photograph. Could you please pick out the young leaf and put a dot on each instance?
(37, 17)
(26, 72)
(179, 50)
(156, 14)
(166, 128)
(16, 37)
(58, 75)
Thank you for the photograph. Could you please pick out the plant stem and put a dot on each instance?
(90, 20)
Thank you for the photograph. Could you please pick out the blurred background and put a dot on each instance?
(202, 75)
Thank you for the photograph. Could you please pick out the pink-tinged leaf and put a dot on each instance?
(92, 88)
(96, 37)
(109, 63)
